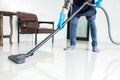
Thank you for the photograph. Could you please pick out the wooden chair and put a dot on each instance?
(28, 24)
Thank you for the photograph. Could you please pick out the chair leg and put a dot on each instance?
(18, 34)
(18, 37)
(53, 36)
(35, 38)
(52, 39)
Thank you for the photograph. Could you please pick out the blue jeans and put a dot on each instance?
(92, 25)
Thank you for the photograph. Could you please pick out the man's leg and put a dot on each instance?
(73, 29)
(92, 25)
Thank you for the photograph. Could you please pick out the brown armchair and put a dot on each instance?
(29, 24)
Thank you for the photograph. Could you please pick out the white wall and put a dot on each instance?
(49, 10)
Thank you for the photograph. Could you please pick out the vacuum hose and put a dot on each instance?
(108, 22)
(109, 31)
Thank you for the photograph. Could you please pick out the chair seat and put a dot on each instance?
(29, 30)
(44, 30)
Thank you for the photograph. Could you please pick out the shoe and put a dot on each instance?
(71, 47)
(95, 49)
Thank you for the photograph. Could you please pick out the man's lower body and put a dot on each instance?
(73, 31)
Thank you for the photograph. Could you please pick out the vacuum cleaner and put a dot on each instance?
(20, 58)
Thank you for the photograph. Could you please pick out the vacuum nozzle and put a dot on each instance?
(19, 59)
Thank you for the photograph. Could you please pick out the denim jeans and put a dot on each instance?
(92, 25)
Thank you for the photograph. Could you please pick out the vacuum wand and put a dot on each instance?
(52, 34)
(20, 58)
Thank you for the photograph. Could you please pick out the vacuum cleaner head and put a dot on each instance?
(19, 59)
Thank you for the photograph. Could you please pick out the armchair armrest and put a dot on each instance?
(46, 22)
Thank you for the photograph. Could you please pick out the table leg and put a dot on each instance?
(1, 29)
(11, 28)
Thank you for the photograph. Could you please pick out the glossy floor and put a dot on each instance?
(53, 63)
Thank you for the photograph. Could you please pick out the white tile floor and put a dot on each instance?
(52, 63)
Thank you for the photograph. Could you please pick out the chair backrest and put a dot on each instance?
(27, 22)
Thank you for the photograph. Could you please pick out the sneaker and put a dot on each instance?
(71, 47)
(95, 49)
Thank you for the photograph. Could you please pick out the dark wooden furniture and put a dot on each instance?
(10, 15)
(28, 24)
